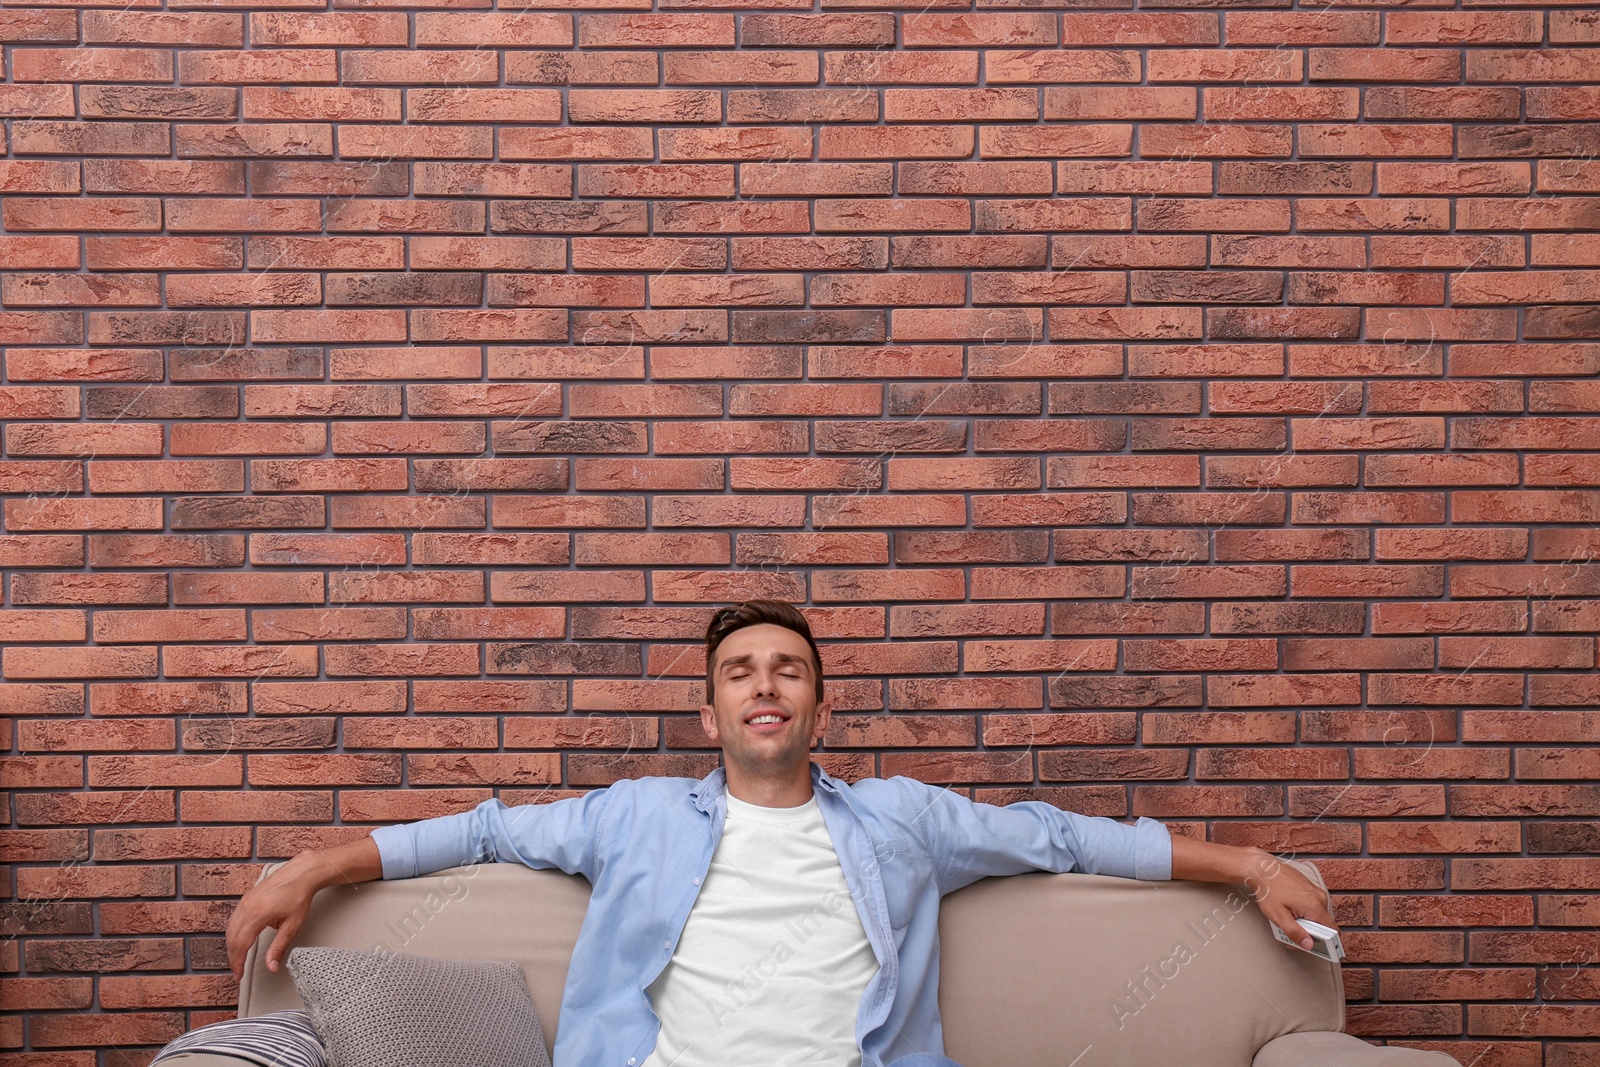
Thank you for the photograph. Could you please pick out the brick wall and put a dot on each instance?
(1180, 412)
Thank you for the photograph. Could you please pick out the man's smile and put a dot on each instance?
(766, 719)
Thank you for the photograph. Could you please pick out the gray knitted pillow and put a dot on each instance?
(392, 1009)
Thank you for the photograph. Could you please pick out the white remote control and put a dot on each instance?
(1324, 940)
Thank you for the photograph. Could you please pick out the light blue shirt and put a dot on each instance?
(645, 845)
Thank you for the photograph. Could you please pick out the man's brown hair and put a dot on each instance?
(726, 620)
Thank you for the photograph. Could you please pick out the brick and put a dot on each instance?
(939, 767)
(267, 734)
(44, 625)
(1254, 763)
(662, 105)
(313, 549)
(405, 587)
(98, 808)
(1452, 544)
(93, 589)
(166, 476)
(165, 698)
(406, 512)
(1492, 763)
(182, 770)
(1300, 838)
(113, 735)
(166, 550)
(988, 178)
(1397, 727)
(1448, 618)
(1088, 728)
(42, 476)
(130, 439)
(202, 587)
(134, 627)
(1211, 800)
(409, 660)
(1112, 765)
(1358, 653)
(322, 698)
(193, 661)
(235, 439)
(1292, 544)
(1191, 655)
(1208, 509)
(501, 549)
(320, 624)
(1346, 581)
(1537, 652)
(1167, 546)
(1488, 689)
(1284, 690)
(325, 769)
(1557, 616)
(1120, 471)
(1226, 581)
(1124, 692)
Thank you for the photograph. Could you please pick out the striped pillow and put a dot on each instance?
(278, 1039)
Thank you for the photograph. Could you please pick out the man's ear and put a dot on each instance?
(708, 721)
(824, 713)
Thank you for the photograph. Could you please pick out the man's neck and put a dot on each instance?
(787, 791)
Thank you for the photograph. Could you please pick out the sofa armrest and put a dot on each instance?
(1328, 1048)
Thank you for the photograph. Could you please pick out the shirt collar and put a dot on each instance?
(709, 790)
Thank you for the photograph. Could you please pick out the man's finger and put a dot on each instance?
(1294, 930)
(238, 946)
(280, 943)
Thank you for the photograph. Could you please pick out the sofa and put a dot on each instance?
(1038, 970)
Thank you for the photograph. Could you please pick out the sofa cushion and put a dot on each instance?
(381, 1009)
(278, 1039)
(1322, 1048)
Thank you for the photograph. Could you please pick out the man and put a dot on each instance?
(768, 913)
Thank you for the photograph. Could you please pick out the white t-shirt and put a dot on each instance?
(773, 958)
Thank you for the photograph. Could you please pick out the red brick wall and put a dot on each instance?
(1176, 412)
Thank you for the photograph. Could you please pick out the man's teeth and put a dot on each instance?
(766, 718)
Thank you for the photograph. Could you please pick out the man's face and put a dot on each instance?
(766, 715)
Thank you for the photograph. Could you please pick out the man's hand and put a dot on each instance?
(281, 901)
(1282, 892)
(1284, 895)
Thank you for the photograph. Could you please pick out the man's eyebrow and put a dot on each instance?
(747, 657)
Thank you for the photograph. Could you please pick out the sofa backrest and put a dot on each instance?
(1037, 969)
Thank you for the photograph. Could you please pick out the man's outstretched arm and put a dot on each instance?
(1283, 893)
(559, 834)
(968, 840)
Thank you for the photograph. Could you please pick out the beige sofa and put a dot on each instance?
(1053, 970)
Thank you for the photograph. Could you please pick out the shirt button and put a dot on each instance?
(666, 944)
(630, 1061)
(697, 881)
